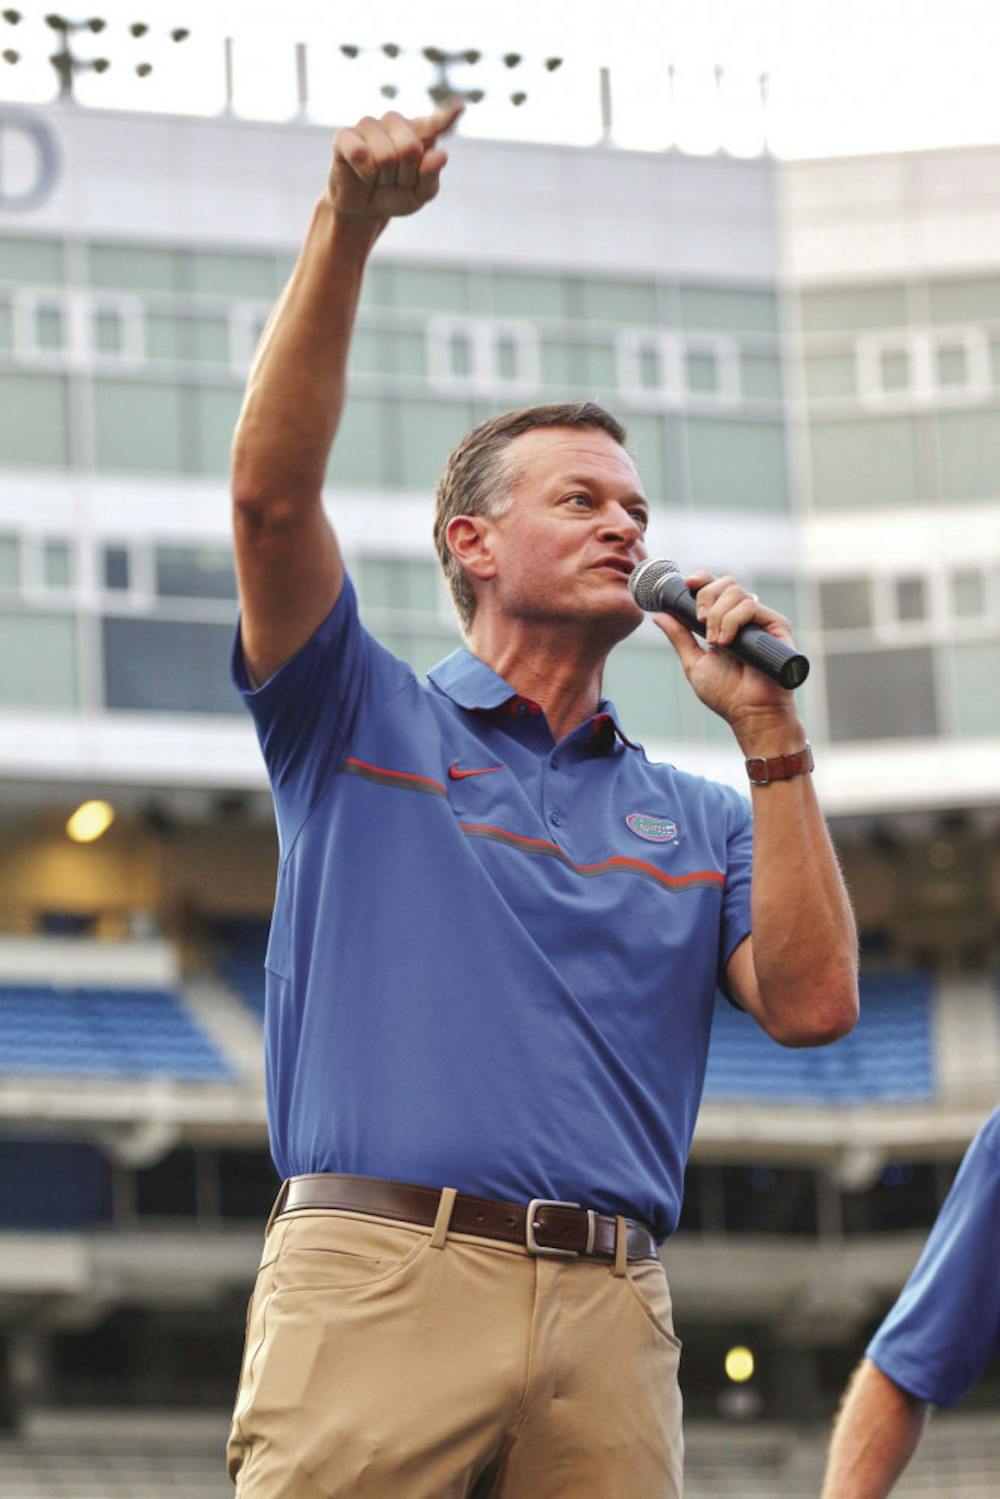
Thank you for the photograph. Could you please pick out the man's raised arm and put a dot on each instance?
(287, 559)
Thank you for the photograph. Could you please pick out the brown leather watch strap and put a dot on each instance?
(762, 772)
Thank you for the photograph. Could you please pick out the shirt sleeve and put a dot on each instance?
(736, 923)
(307, 713)
(945, 1327)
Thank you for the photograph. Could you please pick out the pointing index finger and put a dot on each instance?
(429, 127)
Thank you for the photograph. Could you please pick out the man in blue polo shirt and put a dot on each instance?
(497, 934)
(937, 1340)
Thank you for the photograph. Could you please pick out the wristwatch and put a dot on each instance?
(781, 768)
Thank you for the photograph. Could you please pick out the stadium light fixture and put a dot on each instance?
(90, 821)
(442, 60)
(68, 63)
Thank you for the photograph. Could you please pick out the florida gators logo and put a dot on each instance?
(653, 829)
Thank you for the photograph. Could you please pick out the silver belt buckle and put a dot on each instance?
(530, 1227)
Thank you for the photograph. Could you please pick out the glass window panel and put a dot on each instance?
(618, 301)
(645, 689)
(701, 371)
(6, 326)
(207, 339)
(571, 365)
(911, 599)
(854, 307)
(358, 455)
(139, 426)
(845, 603)
(460, 355)
(506, 356)
(399, 583)
(163, 339)
(428, 430)
(777, 593)
(864, 463)
(379, 581)
(976, 670)
(650, 368)
(167, 666)
(378, 287)
(35, 420)
(216, 409)
(742, 309)
(970, 454)
(952, 365)
(967, 299)
(32, 262)
(117, 569)
(39, 660)
(194, 572)
(10, 568)
(425, 650)
(107, 331)
(366, 351)
(968, 593)
(655, 444)
(434, 288)
(881, 695)
(57, 564)
(224, 274)
(131, 267)
(737, 465)
(49, 327)
(516, 295)
(760, 376)
(830, 375)
(894, 369)
(405, 352)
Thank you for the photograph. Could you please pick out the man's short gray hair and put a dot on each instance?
(478, 481)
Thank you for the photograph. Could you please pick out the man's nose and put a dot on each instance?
(620, 523)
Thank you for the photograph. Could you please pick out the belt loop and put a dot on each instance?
(621, 1247)
(443, 1219)
(279, 1203)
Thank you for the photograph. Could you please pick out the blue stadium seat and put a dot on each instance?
(887, 1058)
(103, 1032)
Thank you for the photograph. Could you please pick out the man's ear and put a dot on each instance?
(470, 539)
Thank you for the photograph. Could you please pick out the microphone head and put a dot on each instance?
(644, 582)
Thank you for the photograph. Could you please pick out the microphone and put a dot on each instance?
(658, 586)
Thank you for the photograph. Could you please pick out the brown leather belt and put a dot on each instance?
(542, 1226)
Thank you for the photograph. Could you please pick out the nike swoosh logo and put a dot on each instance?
(459, 775)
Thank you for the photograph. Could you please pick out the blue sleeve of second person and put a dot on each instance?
(308, 711)
(945, 1327)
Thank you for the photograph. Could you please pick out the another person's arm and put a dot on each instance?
(288, 562)
(797, 973)
(875, 1435)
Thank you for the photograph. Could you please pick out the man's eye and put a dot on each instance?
(641, 518)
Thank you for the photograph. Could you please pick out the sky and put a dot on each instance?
(841, 76)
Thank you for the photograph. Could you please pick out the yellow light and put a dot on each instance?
(89, 821)
(739, 1365)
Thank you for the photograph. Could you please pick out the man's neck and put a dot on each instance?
(554, 668)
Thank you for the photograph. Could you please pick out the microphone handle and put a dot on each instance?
(752, 645)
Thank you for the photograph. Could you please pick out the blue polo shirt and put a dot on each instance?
(945, 1327)
(493, 957)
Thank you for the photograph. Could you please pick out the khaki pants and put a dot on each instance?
(384, 1360)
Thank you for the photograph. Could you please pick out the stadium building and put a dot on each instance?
(807, 359)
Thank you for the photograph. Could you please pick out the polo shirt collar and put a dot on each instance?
(472, 684)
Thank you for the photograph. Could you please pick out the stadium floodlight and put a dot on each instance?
(443, 60)
(68, 63)
(739, 1365)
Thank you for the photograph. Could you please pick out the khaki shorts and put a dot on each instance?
(385, 1360)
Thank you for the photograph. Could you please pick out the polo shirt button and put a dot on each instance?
(555, 763)
(556, 817)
